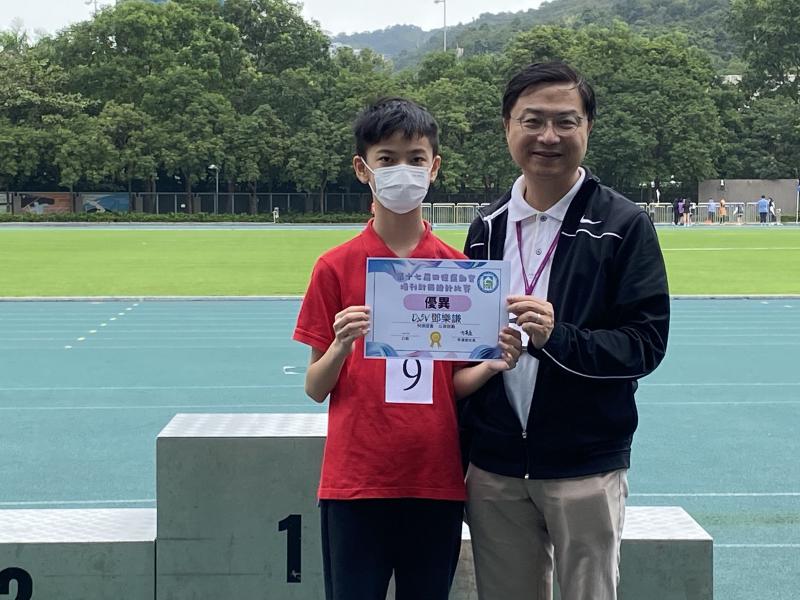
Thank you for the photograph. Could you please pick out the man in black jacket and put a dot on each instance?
(549, 442)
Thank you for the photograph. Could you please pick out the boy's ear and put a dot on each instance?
(437, 163)
(361, 171)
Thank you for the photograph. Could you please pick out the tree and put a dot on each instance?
(132, 141)
(81, 149)
(191, 121)
(655, 116)
(276, 36)
(769, 32)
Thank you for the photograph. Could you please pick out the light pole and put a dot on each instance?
(215, 168)
(444, 7)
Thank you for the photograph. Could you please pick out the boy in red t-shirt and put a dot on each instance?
(392, 489)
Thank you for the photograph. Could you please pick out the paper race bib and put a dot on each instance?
(409, 381)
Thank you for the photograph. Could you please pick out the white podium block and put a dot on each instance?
(77, 554)
(237, 511)
(665, 555)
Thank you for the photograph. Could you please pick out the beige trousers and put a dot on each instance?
(519, 525)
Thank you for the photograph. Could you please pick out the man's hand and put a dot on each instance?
(510, 342)
(349, 325)
(534, 316)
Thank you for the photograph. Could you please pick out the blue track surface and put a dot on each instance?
(86, 387)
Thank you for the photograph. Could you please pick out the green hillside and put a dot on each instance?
(703, 21)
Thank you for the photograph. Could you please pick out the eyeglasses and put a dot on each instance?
(562, 124)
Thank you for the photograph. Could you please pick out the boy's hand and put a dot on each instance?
(535, 316)
(510, 343)
(349, 325)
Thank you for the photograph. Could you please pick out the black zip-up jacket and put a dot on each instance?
(608, 288)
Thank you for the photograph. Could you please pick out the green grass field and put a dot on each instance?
(86, 262)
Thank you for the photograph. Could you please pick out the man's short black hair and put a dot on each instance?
(548, 72)
(387, 116)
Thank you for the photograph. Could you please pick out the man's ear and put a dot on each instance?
(362, 174)
(437, 163)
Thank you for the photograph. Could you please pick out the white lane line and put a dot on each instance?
(103, 324)
(93, 331)
(721, 403)
(67, 347)
(744, 334)
(722, 384)
(728, 249)
(81, 339)
(149, 387)
(165, 347)
(293, 407)
(726, 345)
(719, 495)
(74, 502)
(290, 370)
(776, 546)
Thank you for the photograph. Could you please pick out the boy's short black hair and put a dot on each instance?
(548, 72)
(387, 116)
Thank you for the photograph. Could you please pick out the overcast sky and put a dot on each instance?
(335, 16)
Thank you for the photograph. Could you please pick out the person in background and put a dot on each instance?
(763, 210)
(712, 211)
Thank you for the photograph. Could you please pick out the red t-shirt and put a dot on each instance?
(375, 449)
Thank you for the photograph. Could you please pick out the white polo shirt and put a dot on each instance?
(539, 229)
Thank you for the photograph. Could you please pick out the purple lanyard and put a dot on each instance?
(531, 285)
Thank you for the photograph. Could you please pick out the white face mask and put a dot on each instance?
(401, 188)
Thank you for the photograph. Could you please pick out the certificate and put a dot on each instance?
(436, 309)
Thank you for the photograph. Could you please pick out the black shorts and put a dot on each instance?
(364, 542)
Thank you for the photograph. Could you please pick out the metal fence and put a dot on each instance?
(460, 212)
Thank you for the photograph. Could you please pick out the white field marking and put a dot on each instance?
(170, 317)
(33, 339)
(722, 403)
(720, 495)
(103, 324)
(728, 249)
(777, 546)
(290, 370)
(722, 384)
(113, 319)
(129, 308)
(170, 337)
(73, 502)
(163, 347)
(122, 314)
(67, 347)
(93, 331)
(81, 339)
(136, 304)
(149, 387)
(748, 335)
(157, 407)
(730, 344)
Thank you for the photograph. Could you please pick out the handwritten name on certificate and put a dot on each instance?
(436, 309)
